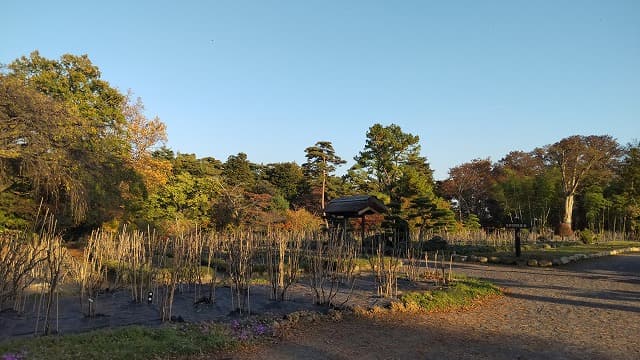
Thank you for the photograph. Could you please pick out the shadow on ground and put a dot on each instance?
(408, 337)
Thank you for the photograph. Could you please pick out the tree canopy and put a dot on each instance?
(578, 157)
(89, 154)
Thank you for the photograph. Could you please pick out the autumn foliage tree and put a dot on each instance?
(469, 185)
(144, 135)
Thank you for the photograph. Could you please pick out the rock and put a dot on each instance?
(556, 262)
(544, 263)
(494, 260)
(564, 260)
(532, 262)
(483, 259)
(460, 258)
(473, 258)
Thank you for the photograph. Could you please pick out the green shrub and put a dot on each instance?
(435, 243)
(587, 236)
(462, 293)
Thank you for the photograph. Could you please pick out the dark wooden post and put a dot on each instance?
(517, 226)
(362, 228)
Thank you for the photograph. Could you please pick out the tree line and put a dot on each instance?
(73, 144)
(576, 183)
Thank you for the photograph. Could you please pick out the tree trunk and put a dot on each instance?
(324, 179)
(568, 209)
(565, 228)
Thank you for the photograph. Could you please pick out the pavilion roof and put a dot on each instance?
(355, 206)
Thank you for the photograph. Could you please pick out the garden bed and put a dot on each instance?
(552, 254)
(209, 329)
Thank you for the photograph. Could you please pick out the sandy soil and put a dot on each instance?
(588, 310)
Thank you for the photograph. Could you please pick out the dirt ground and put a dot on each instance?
(588, 310)
(115, 308)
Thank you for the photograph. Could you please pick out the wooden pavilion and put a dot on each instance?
(358, 206)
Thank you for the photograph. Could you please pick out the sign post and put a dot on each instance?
(517, 226)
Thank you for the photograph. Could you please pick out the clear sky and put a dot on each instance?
(473, 79)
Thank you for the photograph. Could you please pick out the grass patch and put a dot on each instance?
(461, 294)
(559, 250)
(135, 342)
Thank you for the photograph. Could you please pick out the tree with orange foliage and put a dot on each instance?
(144, 135)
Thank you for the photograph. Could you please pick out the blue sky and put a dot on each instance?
(473, 79)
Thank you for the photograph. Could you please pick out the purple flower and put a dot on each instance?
(260, 329)
(10, 357)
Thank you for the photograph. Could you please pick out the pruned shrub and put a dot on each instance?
(586, 236)
(435, 243)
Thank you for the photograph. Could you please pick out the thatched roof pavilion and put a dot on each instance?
(358, 206)
(354, 207)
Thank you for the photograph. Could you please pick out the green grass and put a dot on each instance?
(133, 342)
(574, 249)
(461, 294)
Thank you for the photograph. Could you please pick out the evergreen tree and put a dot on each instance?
(393, 165)
(321, 163)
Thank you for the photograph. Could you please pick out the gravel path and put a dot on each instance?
(587, 310)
